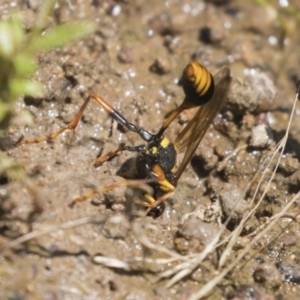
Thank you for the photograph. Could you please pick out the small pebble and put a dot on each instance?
(261, 136)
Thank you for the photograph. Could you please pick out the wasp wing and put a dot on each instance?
(194, 131)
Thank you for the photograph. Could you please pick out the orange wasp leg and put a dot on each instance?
(151, 204)
(71, 126)
(111, 112)
(165, 186)
(103, 158)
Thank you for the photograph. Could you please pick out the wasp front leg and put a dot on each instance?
(74, 123)
(70, 127)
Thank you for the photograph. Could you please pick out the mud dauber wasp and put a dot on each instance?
(156, 160)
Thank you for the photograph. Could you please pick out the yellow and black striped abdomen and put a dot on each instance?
(198, 83)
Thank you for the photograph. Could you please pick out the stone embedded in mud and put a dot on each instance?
(245, 291)
(291, 271)
(161, 66)
(232, 201)
(116, 227)
(261, 136)
(268, 275)
(254, 93)
(193, 227)
(288, 164)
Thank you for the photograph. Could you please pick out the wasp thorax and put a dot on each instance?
(197, 83)
(162, 152)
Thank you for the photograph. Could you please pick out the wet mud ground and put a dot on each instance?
(135, 60)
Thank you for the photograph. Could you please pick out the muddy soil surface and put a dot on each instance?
(104, 248)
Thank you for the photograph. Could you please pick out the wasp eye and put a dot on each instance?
(198, 84)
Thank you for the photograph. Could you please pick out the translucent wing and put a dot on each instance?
(193, 133)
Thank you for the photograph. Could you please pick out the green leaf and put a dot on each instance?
(61, 35)
(45, 11)
(17, 30)
(4, 110)
(11, 35)
(24, 64)
(5, 164)
(6, 40)
(19, 86)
